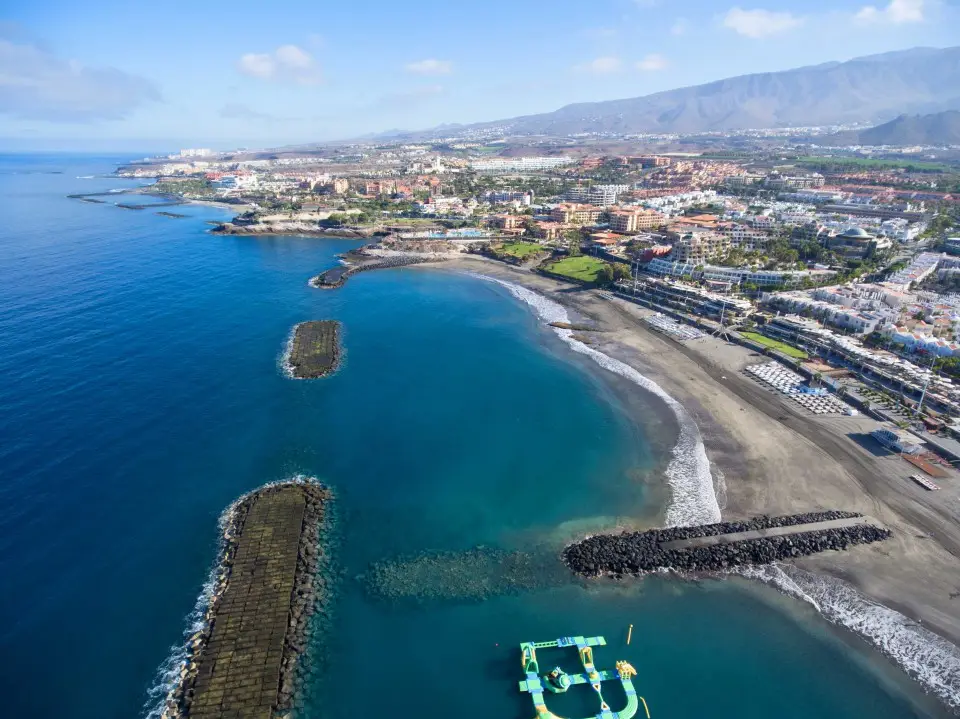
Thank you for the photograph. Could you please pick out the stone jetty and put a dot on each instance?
(714, 547)
(243, 661)
(314, 349)
(337, 276)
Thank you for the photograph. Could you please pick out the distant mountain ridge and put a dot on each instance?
(866, 89)
(941, 128)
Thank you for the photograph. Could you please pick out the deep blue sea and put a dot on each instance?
(141, 392)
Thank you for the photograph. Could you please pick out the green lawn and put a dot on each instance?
(835, 163)
(583, 268)
(779, 346)
(520, 250)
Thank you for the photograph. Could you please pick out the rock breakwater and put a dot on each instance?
(738, 543)
(314, 349)
(337, 276)
(243, 659)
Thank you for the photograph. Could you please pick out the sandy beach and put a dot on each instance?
(769, 456)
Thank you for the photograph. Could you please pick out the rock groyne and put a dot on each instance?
(314, 350)
(244, 659)
(337, 276)
(737, 543)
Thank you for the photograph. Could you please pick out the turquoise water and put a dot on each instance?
(141, 391)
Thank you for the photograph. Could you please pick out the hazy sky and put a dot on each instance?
(105, 74)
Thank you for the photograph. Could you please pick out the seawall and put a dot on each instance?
(243, 660)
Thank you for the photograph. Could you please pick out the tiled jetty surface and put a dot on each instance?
(238, 672)
(243, 659)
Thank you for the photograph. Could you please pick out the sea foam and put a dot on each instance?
(694, 500)
(927, 657)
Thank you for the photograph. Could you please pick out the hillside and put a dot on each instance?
(873, 88)
(941, 128)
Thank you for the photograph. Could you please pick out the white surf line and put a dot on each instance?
(922, 654)
(925, 656)
(694, 500)
(173, 670)
(283, 361)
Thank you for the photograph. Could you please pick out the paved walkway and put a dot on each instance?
(772, 532)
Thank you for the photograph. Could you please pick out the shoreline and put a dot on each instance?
(227, 230)
(898, 598)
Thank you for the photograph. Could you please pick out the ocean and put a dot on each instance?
(142, 390)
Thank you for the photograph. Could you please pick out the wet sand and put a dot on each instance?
(769, 456)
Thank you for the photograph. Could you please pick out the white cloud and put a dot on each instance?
(679, 27)
(652, 62)
(429, 67)
(896, 13)
(288, 63)
(760, 23)
(37, 85)
(601, 66)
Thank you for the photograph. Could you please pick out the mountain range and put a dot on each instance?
(941, 128)
(875, 88)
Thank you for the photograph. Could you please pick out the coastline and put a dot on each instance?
(767, 458)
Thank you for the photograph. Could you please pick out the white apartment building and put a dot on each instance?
(679, 201)
(762, 222)
(698, 247)
(744, 237)
(499, 164)
(196, 152)
(732, 275)
(597, 194)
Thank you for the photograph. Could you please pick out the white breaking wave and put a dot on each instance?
(283, 361)
(694, 500)
(172, 671)
(927, 657)
(84, 177)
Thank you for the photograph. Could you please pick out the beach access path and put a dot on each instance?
(731, 537)
(770, 456)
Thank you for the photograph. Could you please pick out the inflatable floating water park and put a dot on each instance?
(558, 681)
